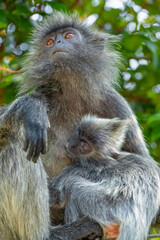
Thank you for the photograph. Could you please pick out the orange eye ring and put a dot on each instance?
(50, 42)
(69, 35)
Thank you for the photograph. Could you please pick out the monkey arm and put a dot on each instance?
(31, 111)
(56, 191)
(57, 184)
(101, 202)
(36, 125)
(116, 106)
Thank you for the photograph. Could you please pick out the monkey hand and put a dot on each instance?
(36, 128)
(56, 191)
(54, 197)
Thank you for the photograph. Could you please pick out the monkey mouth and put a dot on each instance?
(57, 51)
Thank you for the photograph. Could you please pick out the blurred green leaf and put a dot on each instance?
(21, 9)
(3, 24)
(154, 118)
(154, 49)
(155, 132)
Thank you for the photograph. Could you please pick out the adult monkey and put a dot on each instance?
(72, 68)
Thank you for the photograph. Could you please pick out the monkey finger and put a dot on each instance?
(36, 155)
(30, 152)
(44, 143)
(44, 148)
(26, 145)
(37, 149)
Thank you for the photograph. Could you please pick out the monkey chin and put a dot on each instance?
(59, 55)
(60, 60)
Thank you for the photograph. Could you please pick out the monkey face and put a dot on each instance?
(79, 147)
(62, 43)
(65, 50)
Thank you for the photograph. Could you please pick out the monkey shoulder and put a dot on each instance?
(134, 163)
(114, 105)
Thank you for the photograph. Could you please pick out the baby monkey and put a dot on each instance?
(106, 184)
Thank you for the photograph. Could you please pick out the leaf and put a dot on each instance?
(21, 9)
(154, 49)
(155, 133)
(3, 24)
(10, 93)
(153, 119)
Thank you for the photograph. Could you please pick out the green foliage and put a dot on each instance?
(136, 22)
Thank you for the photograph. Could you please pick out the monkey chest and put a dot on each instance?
(56, 157)
(62, 129)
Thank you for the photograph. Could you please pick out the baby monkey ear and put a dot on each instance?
(118, 124)
(119, 128)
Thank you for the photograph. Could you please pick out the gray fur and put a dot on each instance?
(24, 208)
(37, 67)
(63, 92)
(123, 191)
(72, 87)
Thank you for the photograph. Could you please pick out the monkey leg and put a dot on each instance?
(73, 213)
(79, 229)
(109, 232)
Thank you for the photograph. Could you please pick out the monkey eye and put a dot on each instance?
(69, 35)
(50, 42)
(85, 145)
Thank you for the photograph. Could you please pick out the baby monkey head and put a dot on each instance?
(97, 137)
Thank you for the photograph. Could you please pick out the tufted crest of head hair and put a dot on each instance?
(97, 61)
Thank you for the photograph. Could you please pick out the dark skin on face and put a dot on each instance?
(79, 147)
(62, 42)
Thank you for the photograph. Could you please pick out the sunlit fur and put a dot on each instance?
(24, 209)
(123, 191)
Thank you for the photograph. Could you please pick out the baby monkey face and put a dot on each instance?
(79, 147)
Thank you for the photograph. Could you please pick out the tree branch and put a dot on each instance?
(8, 70)
(154, 236)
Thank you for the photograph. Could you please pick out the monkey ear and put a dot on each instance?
(100, 39)
(119, 126)
(118, 132)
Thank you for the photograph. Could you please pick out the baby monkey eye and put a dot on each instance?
(50, 42)
(69, 35)
(85, 145)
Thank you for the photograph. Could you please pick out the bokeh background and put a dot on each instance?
(137, 23)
